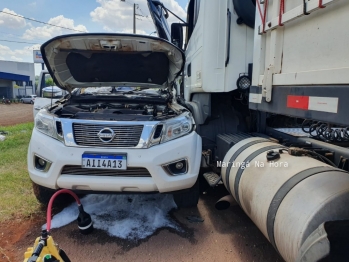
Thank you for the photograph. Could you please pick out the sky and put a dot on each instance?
(81, 15)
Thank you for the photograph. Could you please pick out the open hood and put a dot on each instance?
(93, 60)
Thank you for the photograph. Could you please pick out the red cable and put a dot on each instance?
(321, 5)
(48, 216)
(265, 14)
(282, 11)
(259, 9)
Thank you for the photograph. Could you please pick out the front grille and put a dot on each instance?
(125, 136)
(130, 172)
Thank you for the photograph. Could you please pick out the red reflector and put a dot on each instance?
(300, 102)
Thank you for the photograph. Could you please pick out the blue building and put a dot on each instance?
(16, 79)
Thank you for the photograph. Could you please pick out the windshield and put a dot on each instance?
(53, 92)
(118, 90)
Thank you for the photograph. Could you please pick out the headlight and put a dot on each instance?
(177, 127)
(45, 123)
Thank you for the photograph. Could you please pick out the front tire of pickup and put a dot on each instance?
(189, 198)
(44, 194)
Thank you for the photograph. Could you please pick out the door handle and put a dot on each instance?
(228, 45)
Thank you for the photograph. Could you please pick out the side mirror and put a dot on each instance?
(177, 34)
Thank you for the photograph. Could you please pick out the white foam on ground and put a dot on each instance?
(130, 217)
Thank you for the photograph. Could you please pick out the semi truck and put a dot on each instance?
(246, 93)
(267, 84)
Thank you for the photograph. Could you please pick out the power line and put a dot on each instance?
(37, 21)
(20, 42)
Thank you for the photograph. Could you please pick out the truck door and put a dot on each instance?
(159, 16)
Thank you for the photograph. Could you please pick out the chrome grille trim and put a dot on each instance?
(144, 141)
(125, 135)
(130, 172)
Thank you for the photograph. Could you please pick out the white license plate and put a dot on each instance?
(104, 161)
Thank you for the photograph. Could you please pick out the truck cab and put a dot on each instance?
(217, 38)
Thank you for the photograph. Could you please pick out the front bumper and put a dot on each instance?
(152, 159)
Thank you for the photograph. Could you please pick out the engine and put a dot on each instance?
(115, 112)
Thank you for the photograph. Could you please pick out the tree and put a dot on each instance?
(49, 82)
(36, 82)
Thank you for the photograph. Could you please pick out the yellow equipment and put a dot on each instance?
(45, 249)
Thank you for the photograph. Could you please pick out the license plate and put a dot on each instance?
(104, 161)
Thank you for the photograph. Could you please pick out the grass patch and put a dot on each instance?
(16, 197)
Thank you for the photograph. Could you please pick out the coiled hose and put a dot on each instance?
(324, 131)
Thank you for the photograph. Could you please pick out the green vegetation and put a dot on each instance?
(17, 198)
(49, 82)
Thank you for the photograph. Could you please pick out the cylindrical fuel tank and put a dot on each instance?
(286, 196)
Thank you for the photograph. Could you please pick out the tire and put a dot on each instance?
(43, 195)
(31, 102)
(22, 101)
(188, 198)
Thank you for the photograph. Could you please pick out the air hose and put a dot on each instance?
(45, 249)
(325, 132)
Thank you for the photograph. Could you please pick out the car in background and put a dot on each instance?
(52, 92)
(28, 99)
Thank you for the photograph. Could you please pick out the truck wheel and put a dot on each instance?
(188, 198)
(44, 194)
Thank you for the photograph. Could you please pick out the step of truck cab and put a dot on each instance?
(212, 179)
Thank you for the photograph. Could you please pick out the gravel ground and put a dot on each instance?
(15, 114)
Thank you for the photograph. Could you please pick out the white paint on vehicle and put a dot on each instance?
(131, 217)
(323, 104)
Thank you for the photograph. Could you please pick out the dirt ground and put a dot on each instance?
(15, 114)
(223, 236)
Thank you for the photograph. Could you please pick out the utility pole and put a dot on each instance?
(134, 15)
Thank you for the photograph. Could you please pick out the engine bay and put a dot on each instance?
(114, 111)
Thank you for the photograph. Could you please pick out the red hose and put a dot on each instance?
(48, 217)
(282, 11)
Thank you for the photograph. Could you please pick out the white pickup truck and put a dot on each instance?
(129, 135)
